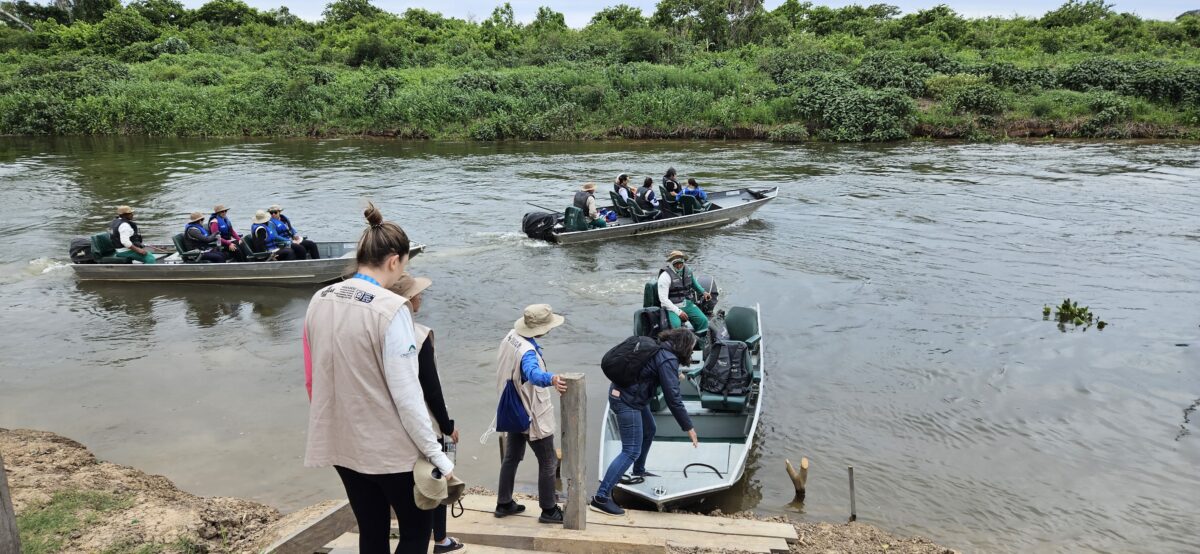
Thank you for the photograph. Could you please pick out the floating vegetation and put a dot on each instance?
(1073, 313)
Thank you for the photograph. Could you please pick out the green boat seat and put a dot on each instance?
(104, 252)
(742, 324)
(251, 255)
(574, 220)
(650, 294)
(722, 403)
(620, 205)
(693, 205)
(640, 215)
(658, 400)
(188, 256)
(672, 205)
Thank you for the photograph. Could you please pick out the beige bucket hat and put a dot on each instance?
(409, 286)
(122, 210)
(196, 216)
(261, 217)
(676, 255)
(275, 208)
(537, 320)
(588, 187)
(220, 208)
(429, 491)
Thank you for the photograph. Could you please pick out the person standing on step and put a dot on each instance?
(367, 416)
(431, 387)
(520, 362)
(123, 233)
(677, 290)
(635, 421)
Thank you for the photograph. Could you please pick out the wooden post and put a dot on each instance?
(799, 478)
(853, 511)
(10, 542)
(574, 439)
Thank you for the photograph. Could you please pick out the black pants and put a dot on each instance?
(310, 248)
(514, 452)
(373, 498)
(213, 256)
(286, 253)
(238, 255)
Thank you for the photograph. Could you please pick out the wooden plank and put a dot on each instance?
(480, 528)
(10, 540)
(574, 462)
(328, 526)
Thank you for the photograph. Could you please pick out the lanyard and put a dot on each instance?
(367, 278)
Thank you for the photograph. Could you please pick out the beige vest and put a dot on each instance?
(537, 400)
(352, 420)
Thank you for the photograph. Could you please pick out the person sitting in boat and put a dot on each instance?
(196, 237)
(219, 225)
(123, 233)
(646, 199)
(263, 238)
(304, 248)
(631, 406)
(693, 189)
(677, 290)
(671, 184)
(585, 200)
(622, 188)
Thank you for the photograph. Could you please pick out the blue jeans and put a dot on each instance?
(637, 434)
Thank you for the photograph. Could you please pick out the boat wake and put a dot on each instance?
(15, 272)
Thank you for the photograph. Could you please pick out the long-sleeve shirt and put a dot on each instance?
(661, 371)
(125, 232)
(697, 192)
(196, 235)
(531, 370)
(215, 228)
(431, 388)
(664, 292)
(624, 193)
(401, 369)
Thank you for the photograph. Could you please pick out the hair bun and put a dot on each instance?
(373, 215)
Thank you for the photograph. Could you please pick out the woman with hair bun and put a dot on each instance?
(367, 416)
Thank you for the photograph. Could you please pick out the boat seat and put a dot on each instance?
(104, 252)
(672, 205)
(650, 294)
(693, 205)
(573, 219)
(722, 403)
(620, 205)
(251, 254)
(742, 324)
(640, 215)
(188, 256)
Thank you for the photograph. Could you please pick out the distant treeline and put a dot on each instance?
(693, 68)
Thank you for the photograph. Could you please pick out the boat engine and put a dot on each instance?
(81, 251)
(539, 225)
(710, 285)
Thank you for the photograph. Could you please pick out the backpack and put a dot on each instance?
(716, 333)
(652, 321)
(725, 370)
(81, 250)
(511, 415)
(623, 363)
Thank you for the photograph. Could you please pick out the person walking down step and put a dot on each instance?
(367, 416)
(525, 411)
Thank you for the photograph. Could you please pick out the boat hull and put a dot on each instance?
(703, 220)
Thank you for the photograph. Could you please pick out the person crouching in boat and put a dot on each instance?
(677, 290)
(263, 238)
(219, 224)
(304, 248)
(123, 233)
(431, 388)
(196, 237)
(585, 200)
(635, 422)
(367, 417)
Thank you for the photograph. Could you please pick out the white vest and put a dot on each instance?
(537, 400)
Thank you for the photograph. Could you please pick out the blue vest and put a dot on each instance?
(189, 242)
(281, 227)
(273, 239)
(224, 227)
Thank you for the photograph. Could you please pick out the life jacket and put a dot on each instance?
(114, 233)
(283, 227)
(645, 198)
(681, 284)
(272, 241)
(191, 243)
(671, 184)
(224, 227)
(581, 199)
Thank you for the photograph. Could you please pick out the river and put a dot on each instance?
(901, 289)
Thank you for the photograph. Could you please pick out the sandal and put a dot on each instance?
(454, 545)
(632, 480)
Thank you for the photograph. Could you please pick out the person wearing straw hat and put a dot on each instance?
(123, 233)
(677, 290)
(585, 200)
(411, 288)
(265, 239)
(196, 237)
(520, 363)
(304, 248)
(219, 224)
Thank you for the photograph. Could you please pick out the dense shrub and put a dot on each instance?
(1179, 85)
(977, 98)
(121, 28)
(783, 65)
(791, 132)
(888, 70)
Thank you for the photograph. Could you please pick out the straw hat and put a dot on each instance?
(261, 217)
(275, 208)
(196, 216)
(220, 208)
(589, 187)
(409, 286)
(537, 320)
(122, 210)
(430, 491)
(676, 255)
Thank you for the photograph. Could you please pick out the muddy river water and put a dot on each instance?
(901, 289)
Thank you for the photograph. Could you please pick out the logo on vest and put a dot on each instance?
(412, 351)
(326, 292)
(364, 296)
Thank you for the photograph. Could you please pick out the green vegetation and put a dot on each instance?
(1071, 312)
(693, 68)
(47, 527)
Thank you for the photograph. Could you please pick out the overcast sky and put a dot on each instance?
(578, 12)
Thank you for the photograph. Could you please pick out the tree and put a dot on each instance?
(341, 11)
(92, 11)
(548, 21)
(226, 12)
(501, 28)
(717, 23)
(1077, 12)
(160, 12)
(620, 17)
(121, 28)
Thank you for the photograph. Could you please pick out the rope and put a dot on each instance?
(491, 430)
(715, 470)
(460, 509)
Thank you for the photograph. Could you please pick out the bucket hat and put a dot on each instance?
(676, 255)
(430, 490)
(219, 208)
(122, 210)
(261, 217)
(588, 187)
(196, 216)
(409, 286)
(275, 208)
(537, 320)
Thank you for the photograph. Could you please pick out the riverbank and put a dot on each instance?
(67, 500)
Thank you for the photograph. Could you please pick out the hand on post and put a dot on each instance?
(559, 383)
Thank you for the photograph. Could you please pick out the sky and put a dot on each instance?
(579, 12)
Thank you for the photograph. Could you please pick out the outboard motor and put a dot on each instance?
(539, 225)
(81, 251)
(710, 285)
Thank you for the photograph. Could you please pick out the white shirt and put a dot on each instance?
(624, 193)
(400, 367)
(125, 232)
(664, 290)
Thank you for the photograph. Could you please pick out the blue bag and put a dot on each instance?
(511, 416)
(608, 215)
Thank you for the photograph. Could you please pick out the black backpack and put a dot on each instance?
(623, 363)
(652, 321)
(725, 370)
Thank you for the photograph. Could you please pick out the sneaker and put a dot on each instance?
(454, 545)
(553, 515)
(510, 509)
(606, 506)
(645, 474)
